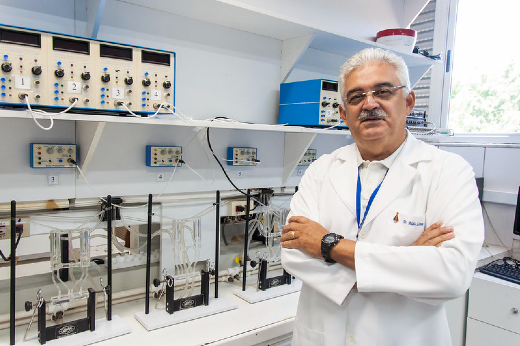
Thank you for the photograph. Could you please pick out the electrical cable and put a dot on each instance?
(31, 111)
(222, 167)
(8, 258)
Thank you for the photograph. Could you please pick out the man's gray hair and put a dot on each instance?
(374, 54)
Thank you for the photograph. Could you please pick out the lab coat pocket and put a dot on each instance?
(304, 336)
(404, 228)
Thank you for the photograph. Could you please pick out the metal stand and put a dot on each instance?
(68, 328)
(173, 305)
(109, 257)
(64, 272)
(217, 241)
(148, 256)
(265, 283)
(246, 241)
(13, 273)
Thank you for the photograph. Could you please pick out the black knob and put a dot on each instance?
(253, 264)
(167, 84)
(325, 104)
(59, 73)
(335, 105)
(85, 75)
(37, 70)
(28, 306)
(156, 282)
(105, 78)
(147, 82)
(129, 81)
(7, 67)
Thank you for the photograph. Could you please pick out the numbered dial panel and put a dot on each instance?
(44, 155)
(54, 70)
(330, 101)
(163, 156)
(308, 158)
(242, 156)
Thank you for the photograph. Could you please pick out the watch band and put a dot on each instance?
(328, 242)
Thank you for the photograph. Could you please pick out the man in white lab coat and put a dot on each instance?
(367, 206)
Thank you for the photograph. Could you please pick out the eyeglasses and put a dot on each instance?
(381, 93)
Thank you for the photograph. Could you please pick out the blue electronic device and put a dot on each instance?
(52, 155)
(163, 156)
(310, 103)
(241, 156)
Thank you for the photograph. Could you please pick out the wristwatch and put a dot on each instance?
(328, 242)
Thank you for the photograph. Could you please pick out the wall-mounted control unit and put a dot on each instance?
(46, 155)
(308, 158)
(241, 156)
(310, 103)
(163, 156)
(55, 70)
(22, 225)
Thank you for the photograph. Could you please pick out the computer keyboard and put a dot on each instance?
(503, 271)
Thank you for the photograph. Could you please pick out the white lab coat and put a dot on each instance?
(400, 289)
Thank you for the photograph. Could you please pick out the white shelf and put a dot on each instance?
(91, 127)
(170, 120)
(343, 36)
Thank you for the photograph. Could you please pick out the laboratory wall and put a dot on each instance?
(220, 72)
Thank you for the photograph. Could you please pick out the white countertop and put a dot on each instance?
(247, 325)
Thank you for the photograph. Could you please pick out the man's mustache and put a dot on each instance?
(375, 113)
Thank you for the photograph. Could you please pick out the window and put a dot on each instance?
(485, 82)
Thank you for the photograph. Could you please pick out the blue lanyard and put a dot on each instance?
(370, 200)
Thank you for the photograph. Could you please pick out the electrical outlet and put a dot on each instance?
(22, 225)
(238, 208)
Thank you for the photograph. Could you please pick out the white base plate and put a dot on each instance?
(253, 295)
(159, 318)
(104, 330)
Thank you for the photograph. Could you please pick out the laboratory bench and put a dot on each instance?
(266, 322)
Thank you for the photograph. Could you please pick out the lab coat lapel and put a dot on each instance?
(343, 177)
(399, 176)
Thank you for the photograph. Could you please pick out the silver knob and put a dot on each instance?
(514, 310)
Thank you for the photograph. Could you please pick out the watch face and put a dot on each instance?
(329, 238)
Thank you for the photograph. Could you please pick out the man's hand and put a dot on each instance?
(435, 235)
(303, 234)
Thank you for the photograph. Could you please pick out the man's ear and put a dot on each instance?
(410, 102)
(343, 114)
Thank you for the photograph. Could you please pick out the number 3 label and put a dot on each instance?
(118, 93)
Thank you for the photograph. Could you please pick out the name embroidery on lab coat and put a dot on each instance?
(413, 223)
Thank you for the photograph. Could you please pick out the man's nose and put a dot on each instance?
(370, 102)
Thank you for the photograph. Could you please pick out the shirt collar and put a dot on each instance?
(387, 162)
